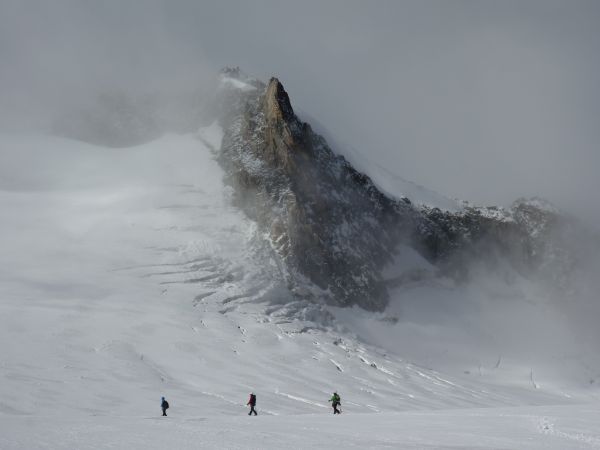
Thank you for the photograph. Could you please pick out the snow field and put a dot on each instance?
(539, 428)
(127, 275)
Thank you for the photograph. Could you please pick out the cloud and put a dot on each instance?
(58, 55)
(485, 101)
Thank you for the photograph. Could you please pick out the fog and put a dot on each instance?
(485, 101)
(59, 56)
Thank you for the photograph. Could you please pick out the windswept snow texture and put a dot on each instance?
(394, 186)
(397, 187)
(236, 83)
(126, 275)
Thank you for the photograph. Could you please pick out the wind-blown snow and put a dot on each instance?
(397, 187)
(386, 181)
(126, 275)
(211, 136)
(236, 83)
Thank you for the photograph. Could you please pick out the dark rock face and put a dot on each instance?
(336, 231)
(329, 222)
(531, 237)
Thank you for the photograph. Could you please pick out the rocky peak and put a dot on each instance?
(335, 231)
(277, 102)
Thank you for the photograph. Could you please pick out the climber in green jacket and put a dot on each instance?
(335, 402)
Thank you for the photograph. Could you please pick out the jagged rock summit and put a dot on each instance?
(336, 231)
(336, 234)
(327, 221)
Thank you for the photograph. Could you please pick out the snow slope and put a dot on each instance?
(126, 275)
(389, 183)
(397, 187)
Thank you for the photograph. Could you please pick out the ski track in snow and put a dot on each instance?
(127, 275)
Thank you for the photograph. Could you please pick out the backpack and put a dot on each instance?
(166, 404)
(253, 399)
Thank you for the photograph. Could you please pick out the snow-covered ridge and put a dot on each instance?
(393, 185)
(398, 188)
(235, 78)
(339, 228)
(144, 280)
(536, 203)
(128, 274)
(237, 84)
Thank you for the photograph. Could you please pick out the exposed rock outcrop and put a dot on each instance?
(528, 237)
(336, 230)
(329, 222)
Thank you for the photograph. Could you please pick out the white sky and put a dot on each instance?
(480, 100)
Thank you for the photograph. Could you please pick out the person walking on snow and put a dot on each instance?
(335, 402)
(164, 406)
(252, 403)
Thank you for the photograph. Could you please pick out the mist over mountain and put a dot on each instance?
(338, 232)
(488, 102)
(341, 237)
(395, 203)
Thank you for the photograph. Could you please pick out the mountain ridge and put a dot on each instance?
(335, 228)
